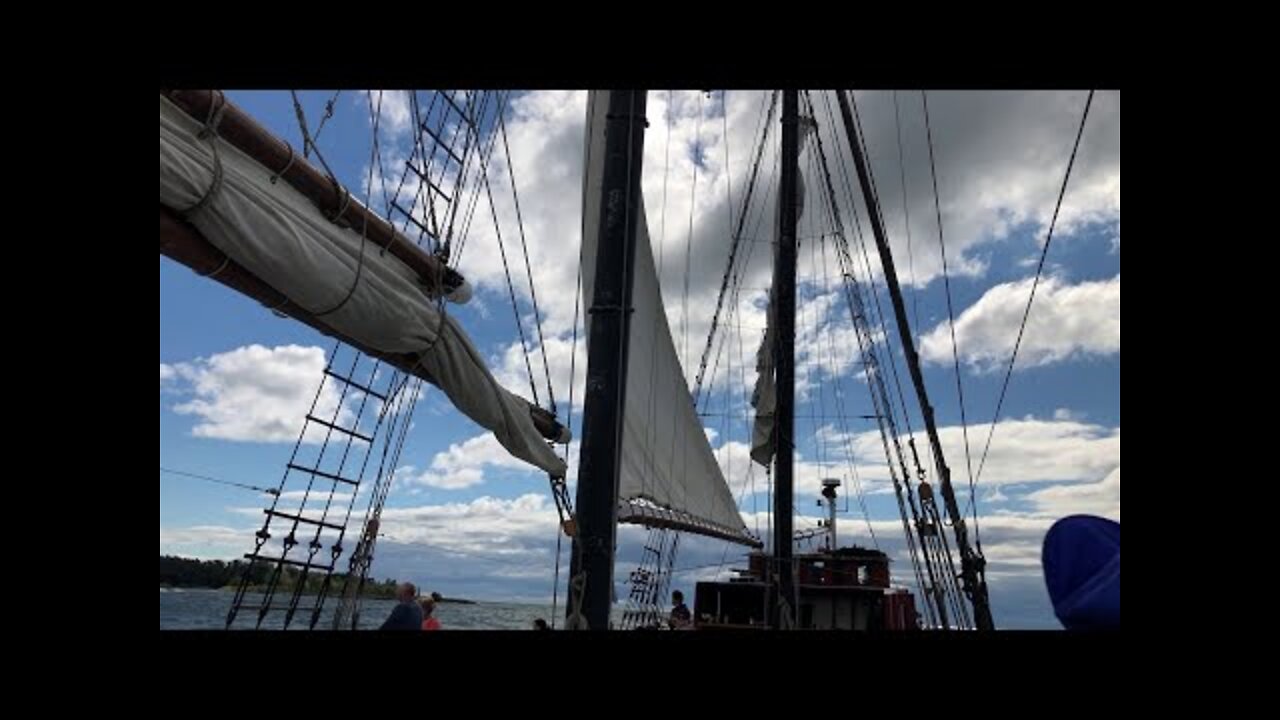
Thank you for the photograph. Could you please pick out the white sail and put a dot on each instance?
(277, 234)
(669, 471)
(765, 396)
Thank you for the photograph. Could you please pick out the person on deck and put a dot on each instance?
(429, 622)
(406, 615)
(540, 624)
(680, 618)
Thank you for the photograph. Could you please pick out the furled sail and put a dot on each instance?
(276, 233)
(670, 477)
(764, 397)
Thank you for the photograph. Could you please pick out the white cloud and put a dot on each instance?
(463, 464)
(562, 357)
(394, 106)
(1000, 161)
(1101, 497)
(1025, 451)
(206, 542)
(995, 496)
(490, 526)
(256, 393)
(1000, 158)
(1066, 321)
(1067, 414)
(460, 478)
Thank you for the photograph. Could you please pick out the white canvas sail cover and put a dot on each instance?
(764, 398)
(668, 468)
(277, 234)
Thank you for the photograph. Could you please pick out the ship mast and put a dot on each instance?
(599, 467)
(784, 286)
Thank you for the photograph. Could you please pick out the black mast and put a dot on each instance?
(972, 564)
(784, 286)
(599, 466)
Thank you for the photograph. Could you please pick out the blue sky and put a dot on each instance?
(474, 522)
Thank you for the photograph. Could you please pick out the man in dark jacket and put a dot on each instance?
(407, 615)
(680, 618)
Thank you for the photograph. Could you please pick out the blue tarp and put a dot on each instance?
(1081, 561)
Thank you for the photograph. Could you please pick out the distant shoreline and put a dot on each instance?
(379, 596)
(178, 573)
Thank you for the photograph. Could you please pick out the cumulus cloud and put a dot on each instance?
(1100, 497)
(260, 394)
(1066, 321)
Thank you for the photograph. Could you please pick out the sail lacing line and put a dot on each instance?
(209, 133)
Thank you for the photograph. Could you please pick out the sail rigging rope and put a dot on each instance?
(573, 375)
(875, 294)
(763, 127)
(290, 540)
(906, 214)
(422, 193)
(533, 290)
(666, 173)
(732, 283)
(308, 142)
(838, 397)
(876, 387)
(328, 113)
(662, 534)
(362, 558)
(275, 176)
(515, 308)
(688, 244)
(878, 315)
(364, 227)
(726, 447)
(837, 393)
(466, 189)
(812, 217)
(339, 190)
(209, 132)
(485, 159)
(384, 477)
(728, 394)
(651, 422)
(469, 125)
(1044, 252)
(934, 555)
(382, 173)
(461, 183)
(951, 318)
(268, 491)
(728, 169)
(394, 412)
(394, 405)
